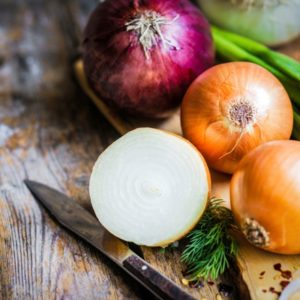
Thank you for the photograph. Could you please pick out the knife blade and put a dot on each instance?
(81, 222)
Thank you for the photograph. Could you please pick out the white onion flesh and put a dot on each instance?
(272, 22)
(292, 291)
(150, 187)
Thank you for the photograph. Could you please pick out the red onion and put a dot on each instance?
(140, 56)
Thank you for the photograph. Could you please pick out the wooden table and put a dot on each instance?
(51, 132)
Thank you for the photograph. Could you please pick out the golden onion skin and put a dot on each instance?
(265, 196)
(231, 109)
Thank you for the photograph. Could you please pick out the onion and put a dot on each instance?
(231, 109)
(292, 291)
(150, 187)
(265, 196)
(141, 56)
(272, 22)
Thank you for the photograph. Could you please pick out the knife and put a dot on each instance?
(78, 220)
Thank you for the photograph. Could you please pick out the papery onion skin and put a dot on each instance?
(150, 195)
(116, 64)
(266, 188)
(272, 24)
(232, 108)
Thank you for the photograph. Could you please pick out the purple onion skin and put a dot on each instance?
(116, 65)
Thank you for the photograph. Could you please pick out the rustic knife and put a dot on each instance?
(78, 220)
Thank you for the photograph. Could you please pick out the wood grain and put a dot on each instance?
(49, 132)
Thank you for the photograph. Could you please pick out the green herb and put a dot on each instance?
(211, 243)
(164, 250)
(296, 130)
(296, 133)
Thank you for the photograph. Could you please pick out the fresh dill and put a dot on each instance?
(211, 243)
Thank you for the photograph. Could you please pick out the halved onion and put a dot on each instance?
(292, 291)
(150, 187)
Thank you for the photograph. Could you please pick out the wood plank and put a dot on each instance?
(49, 132)
(256, 266)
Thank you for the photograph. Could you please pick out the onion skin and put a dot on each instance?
(271, 25)
(207, 123)
(119, 72)
(266, 188)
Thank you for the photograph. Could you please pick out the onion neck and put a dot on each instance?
(147, 25)
(241, 114)
(248, 4)
(255, 233)
(240, 117)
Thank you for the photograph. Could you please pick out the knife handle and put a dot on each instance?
(155, 282)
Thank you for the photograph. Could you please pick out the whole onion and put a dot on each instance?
(271, 22)
(264, 195)
(141, 56)
(231, 109)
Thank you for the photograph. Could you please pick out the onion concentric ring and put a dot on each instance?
(150, 187)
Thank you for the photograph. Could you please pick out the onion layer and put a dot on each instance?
(265, 196)
(272, 22)
(150, 187)
(232, 108)
(141, 56)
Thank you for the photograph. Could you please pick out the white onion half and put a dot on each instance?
(272, 22)
(292, 291)
(150, 187)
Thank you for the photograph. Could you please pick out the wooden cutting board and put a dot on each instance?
(265, 274)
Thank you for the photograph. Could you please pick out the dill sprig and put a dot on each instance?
(211, 244)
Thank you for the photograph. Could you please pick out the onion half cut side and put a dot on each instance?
(150, 187)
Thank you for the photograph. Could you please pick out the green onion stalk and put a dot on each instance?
(296, 130)
(233, 47)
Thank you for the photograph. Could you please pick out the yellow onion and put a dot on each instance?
(232, 108)
(265, 196)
